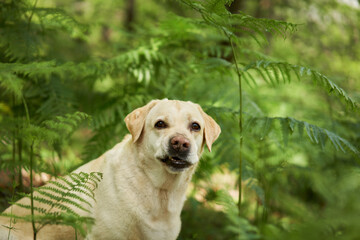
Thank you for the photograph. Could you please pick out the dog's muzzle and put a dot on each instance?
(178, 149)
(175, 163)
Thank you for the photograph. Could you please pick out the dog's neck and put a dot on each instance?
(169, 188)
(170, 181)
(164, 180)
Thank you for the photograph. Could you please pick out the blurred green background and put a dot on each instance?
(300, 170)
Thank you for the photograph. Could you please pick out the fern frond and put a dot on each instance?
(315, 134)
(19, 43)
(65, 198)
(281, 72)
(58, 98)
(42, 69)
(105, 123)
(60, 184)
(32, 133)
(225, 200)
(8, 124)
(20, 36)
(80, 223)
(54, 132)
(214, 13)
(16, 217)
(12, 84)
(65, 125)
(28, 207)
(62, 218)
(107, 116)
(95, 178)
(240, 226)
(62, 197)
(256, 54)
(260, 26)
(141, 62)
(53, 204)
(66, 193)
(55, 18)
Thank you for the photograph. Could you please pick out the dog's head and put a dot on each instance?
(172, 133)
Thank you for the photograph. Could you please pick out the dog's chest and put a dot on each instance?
(162, 216)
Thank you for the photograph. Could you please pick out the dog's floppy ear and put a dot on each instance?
(135, 120)
(211, 129)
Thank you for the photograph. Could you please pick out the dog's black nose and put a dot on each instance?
(180, 144)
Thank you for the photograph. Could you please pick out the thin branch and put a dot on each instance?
(240, 121)
(32, 190)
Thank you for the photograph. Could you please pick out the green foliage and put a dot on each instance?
(60, 197)
(239, 225)
(214, 13)
(276, 72)
(61, 65)
(315, 134)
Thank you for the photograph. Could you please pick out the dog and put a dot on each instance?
(145, 176)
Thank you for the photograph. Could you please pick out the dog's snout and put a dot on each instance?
(180, 143)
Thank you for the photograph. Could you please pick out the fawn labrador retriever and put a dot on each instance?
(144, 177)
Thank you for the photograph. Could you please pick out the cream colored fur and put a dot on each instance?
(140, 197)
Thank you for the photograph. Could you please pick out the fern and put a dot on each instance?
(53, 130)
(58, 99)
(62, 197)
(22, 20)
(214, 13)
(51, 18)
(12, 84)
(51, 65)
(141, 63)
(105, 122)
(317, 135)
(65, 125)
(276, 72)
(263, 126)
(240, 226)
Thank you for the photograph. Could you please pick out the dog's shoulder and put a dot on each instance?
(98, 164)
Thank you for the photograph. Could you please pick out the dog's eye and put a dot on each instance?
(195, 127)
(160, 124)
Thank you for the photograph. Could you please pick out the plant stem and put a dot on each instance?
(31, 189)
(11, 211)
(32, 14)
(26, 110)
(31, 170)
(14, 176)
(14, 145)
(240, 123)
(20, 164)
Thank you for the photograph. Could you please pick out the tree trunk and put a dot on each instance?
(130, 15)
(236, 6)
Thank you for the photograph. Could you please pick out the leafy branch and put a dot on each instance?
(281, 72)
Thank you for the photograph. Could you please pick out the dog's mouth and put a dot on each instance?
(175, 163)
